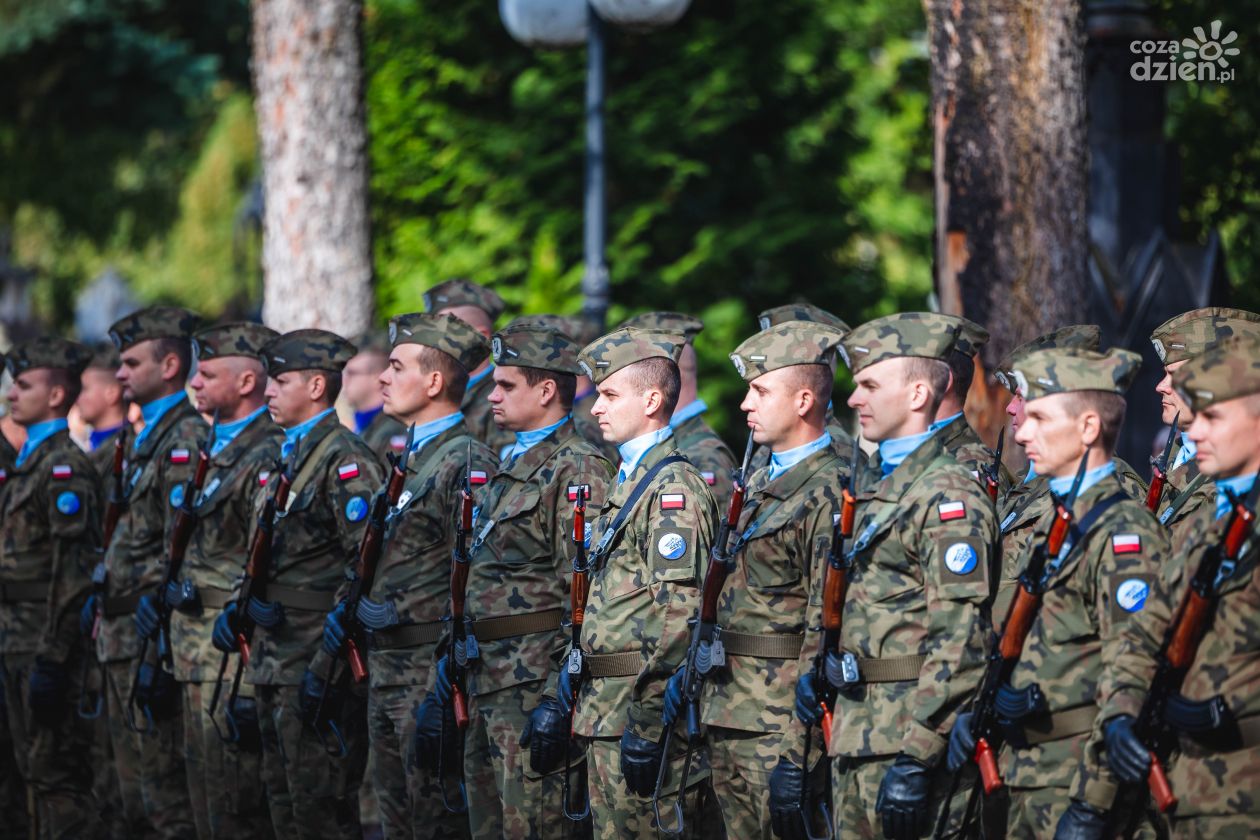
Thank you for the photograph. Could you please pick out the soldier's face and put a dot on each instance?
(1170, 401)
(1054, 439)
(99, 393)
(217, 385)
(32, 397)
(406, 388)
(289, 399)
(885, 401)
(141, 373)
(516, 405)
(1015, 409)
(360, 380)
(622, 409)
(774, 405)
(1227, 435)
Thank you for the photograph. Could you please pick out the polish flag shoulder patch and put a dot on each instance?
(951, 510)
(62, 471)
(574, 489)
(4, 476)
(1126, 544)
(262, 478)
(477, 477)
(348, 471)
(180, 456)
(709, 478)
(673, 501)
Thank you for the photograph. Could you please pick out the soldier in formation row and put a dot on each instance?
(532, 594)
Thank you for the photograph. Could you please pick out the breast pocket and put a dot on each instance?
(770, 566)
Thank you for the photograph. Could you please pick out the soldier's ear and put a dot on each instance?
(1091, 427)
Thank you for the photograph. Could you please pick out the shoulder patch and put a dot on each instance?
(709, 478)
(180, 456)
(951, 510)
(397, 442)
(1131, 594)
(68, 503)
(62, 471)
(356, 508)
(477, 477)
(671, 545)
(574, 489)
(673, 501)
(961, 559)
(4, 476)
(1126, 544)
(177, 495)
(262, 478)
(348, 471)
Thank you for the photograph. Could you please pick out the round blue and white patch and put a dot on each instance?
(356, 508)
(960, 558)
(1131, 595)
(177, 495)
(671, 546)
(68, 503)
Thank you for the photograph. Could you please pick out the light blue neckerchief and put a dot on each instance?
(1185, 453)
(526, 441)
(895, 450)
(154, 412)
(225, 433)
(940, 424)
(1062, 486)
(691, 409)
(295, 434)
(1032, 472)
(781, 462)
(632, 451)
(423, 434)
(1240, 485)
(37, 433)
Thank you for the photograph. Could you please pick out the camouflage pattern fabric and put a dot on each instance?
(240, 338)
(48, 352)
(710, 455)
(855, 787)
(461, 292)
(740, 764)
(618, 814)
(961, 442)
(671, 322)
(1062, 370)
(1080, 336)
(1185, 491)
(454, 337)
(225, 781)
(153, 322)
(802, 311)
(1191, 333)
(1226, 371)
(385, 436)
(784, 345)
(102, 458)
(526, 343)
(610, 353)
(971, 336)
(919, 334)
(307, 350)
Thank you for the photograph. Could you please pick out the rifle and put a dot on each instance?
(90, 707)
(706, 651)
(993, 472)
(1176, 653)
(181, 534)
(579, 588)
(1159, 469)
(835, 588)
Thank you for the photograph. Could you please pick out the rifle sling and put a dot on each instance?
(307, 470)
(1181, 498)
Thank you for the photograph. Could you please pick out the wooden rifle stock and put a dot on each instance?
(258, 564)
(114, 508)
(579, 587)
(459, 586)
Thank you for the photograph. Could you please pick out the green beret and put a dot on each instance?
(786, 344)
(624, 346)
(232, 339)
(461, 292)
(922, 334)
(798, 312)
(105, 357)
(1064, 369)
(581, 330)
(523, 345)
(48, 352)
(307, 350)
(456, 338)
(971, 336)
(153, 322)
(1190, 333)
(1076, 336)
(1225, 371)
(670, 322)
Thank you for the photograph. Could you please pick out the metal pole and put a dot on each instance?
(595, 289)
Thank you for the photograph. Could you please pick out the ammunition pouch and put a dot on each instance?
(156, 691)
(1014, 706)
(376, 615)
(183, 596)
(242, 714)
(268, 614)
(1208, 724)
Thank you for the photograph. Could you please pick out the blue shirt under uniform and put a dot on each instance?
(632, 451)
(363, 419)
(427, 432)
(153, 412)
(1239, 485)
(895, 450)
(296, 433)
(1063, 486)
(691, 409)
(98, 436)
(38, 433)
(940, 424)
(1185, 453)
(781, 462)
(225, 433)
(526, 441)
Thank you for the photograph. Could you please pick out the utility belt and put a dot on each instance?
(1207, 727)
(381, 618)
(119, 605)
(760, 646)
(187, 597)
(849, 670)
(270, 613)
(13, 593)
(1025, 721)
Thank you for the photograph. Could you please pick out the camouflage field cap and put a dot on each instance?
(919, 334)
(624, 346)
(1063, 369)
(670, 322)
(798, 312)
(1225, 371)
(105, 356)
(575, 327)
(307, 350)
(461, 292)
(523, 344)
(373, 341)
(971, 336)
(153, 322)
(1190, 333)
(447, 333)
(786, 344)
(240, 338)
(1075, 336)
(48, 352)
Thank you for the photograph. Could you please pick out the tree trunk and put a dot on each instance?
(1011, 174)
(308, 78)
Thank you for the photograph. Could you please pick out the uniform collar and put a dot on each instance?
(781, 462)
(632, 451)
(940, 424)
(423, 434)
(153, 413)
(363, 419)
(98, 436)
(526, 441)
(1239, 485)
(225, 433)
(1185, 453)
(1062, 486)
(296, 433)
(37, 434)
(692, 409)
(895, 450)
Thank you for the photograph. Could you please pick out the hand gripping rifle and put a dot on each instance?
(462, 648)
(1181, 642)
(579, 588)
(1159, 469)
(146, 679)
(91, 704)
(993, 472)
(706, 651)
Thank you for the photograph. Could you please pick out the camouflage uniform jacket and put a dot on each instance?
(135, 561)
(220, 541)
(776, 589)
(385, 436)
(962, 442)
(1227, 663)
(414, 573)
(841, 443)
(524, 561)
(711, 456)
(1181, 500)
(50, 525)
(314, 543)
(923, 539)
(1076, 636)
(102, 456)
(643, 592)
(480, 418)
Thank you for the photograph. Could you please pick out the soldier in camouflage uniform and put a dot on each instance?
(1051, 759)
(769, 626)
(478, 306)
(521, 562)
(692, 435)
(101, 406)
(310, 792)
(912, 644)
(1214, 774)
(362, 387)
(423, 387)
(12, 788)
(49, 536)
(1177, 341)
(156, 358)
(645, 560)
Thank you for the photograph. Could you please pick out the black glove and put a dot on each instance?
(1081, 822)
(146, 618)
(156, 691)
(902, 801)
(640, 763)
(1127, 756)
(675, 696)
(786, 818)
(223, 638)
(87, 616)
(546, 736)
(309, 698)
(808, 706)
(244, 715)
(962, 744)
(436, 742)
(46, 689)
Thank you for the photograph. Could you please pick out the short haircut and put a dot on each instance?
(566, 383)
(332, 382)
(817, 379)
(934, 372)
(660, 373)
(453, 374)
(963, 369)
(1110, 408)
(181, 347)
(73, 385)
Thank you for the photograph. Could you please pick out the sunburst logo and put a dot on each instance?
(1203, 58)
(1203, 48)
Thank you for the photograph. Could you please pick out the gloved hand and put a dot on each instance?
(962, 744)
(335, 630)
(808, 706)
(244, 714)
(146, 617)
(546, 736)
(222, 637)
(675, 696)
(1127, 756)
(156, 691)
(436, 741)
(786, 818)
(640, 763)
(87, 616)
(1081, 822)
(902, 801)
(46, 691)
(564, 690)
(442, 680)
(312, 691)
